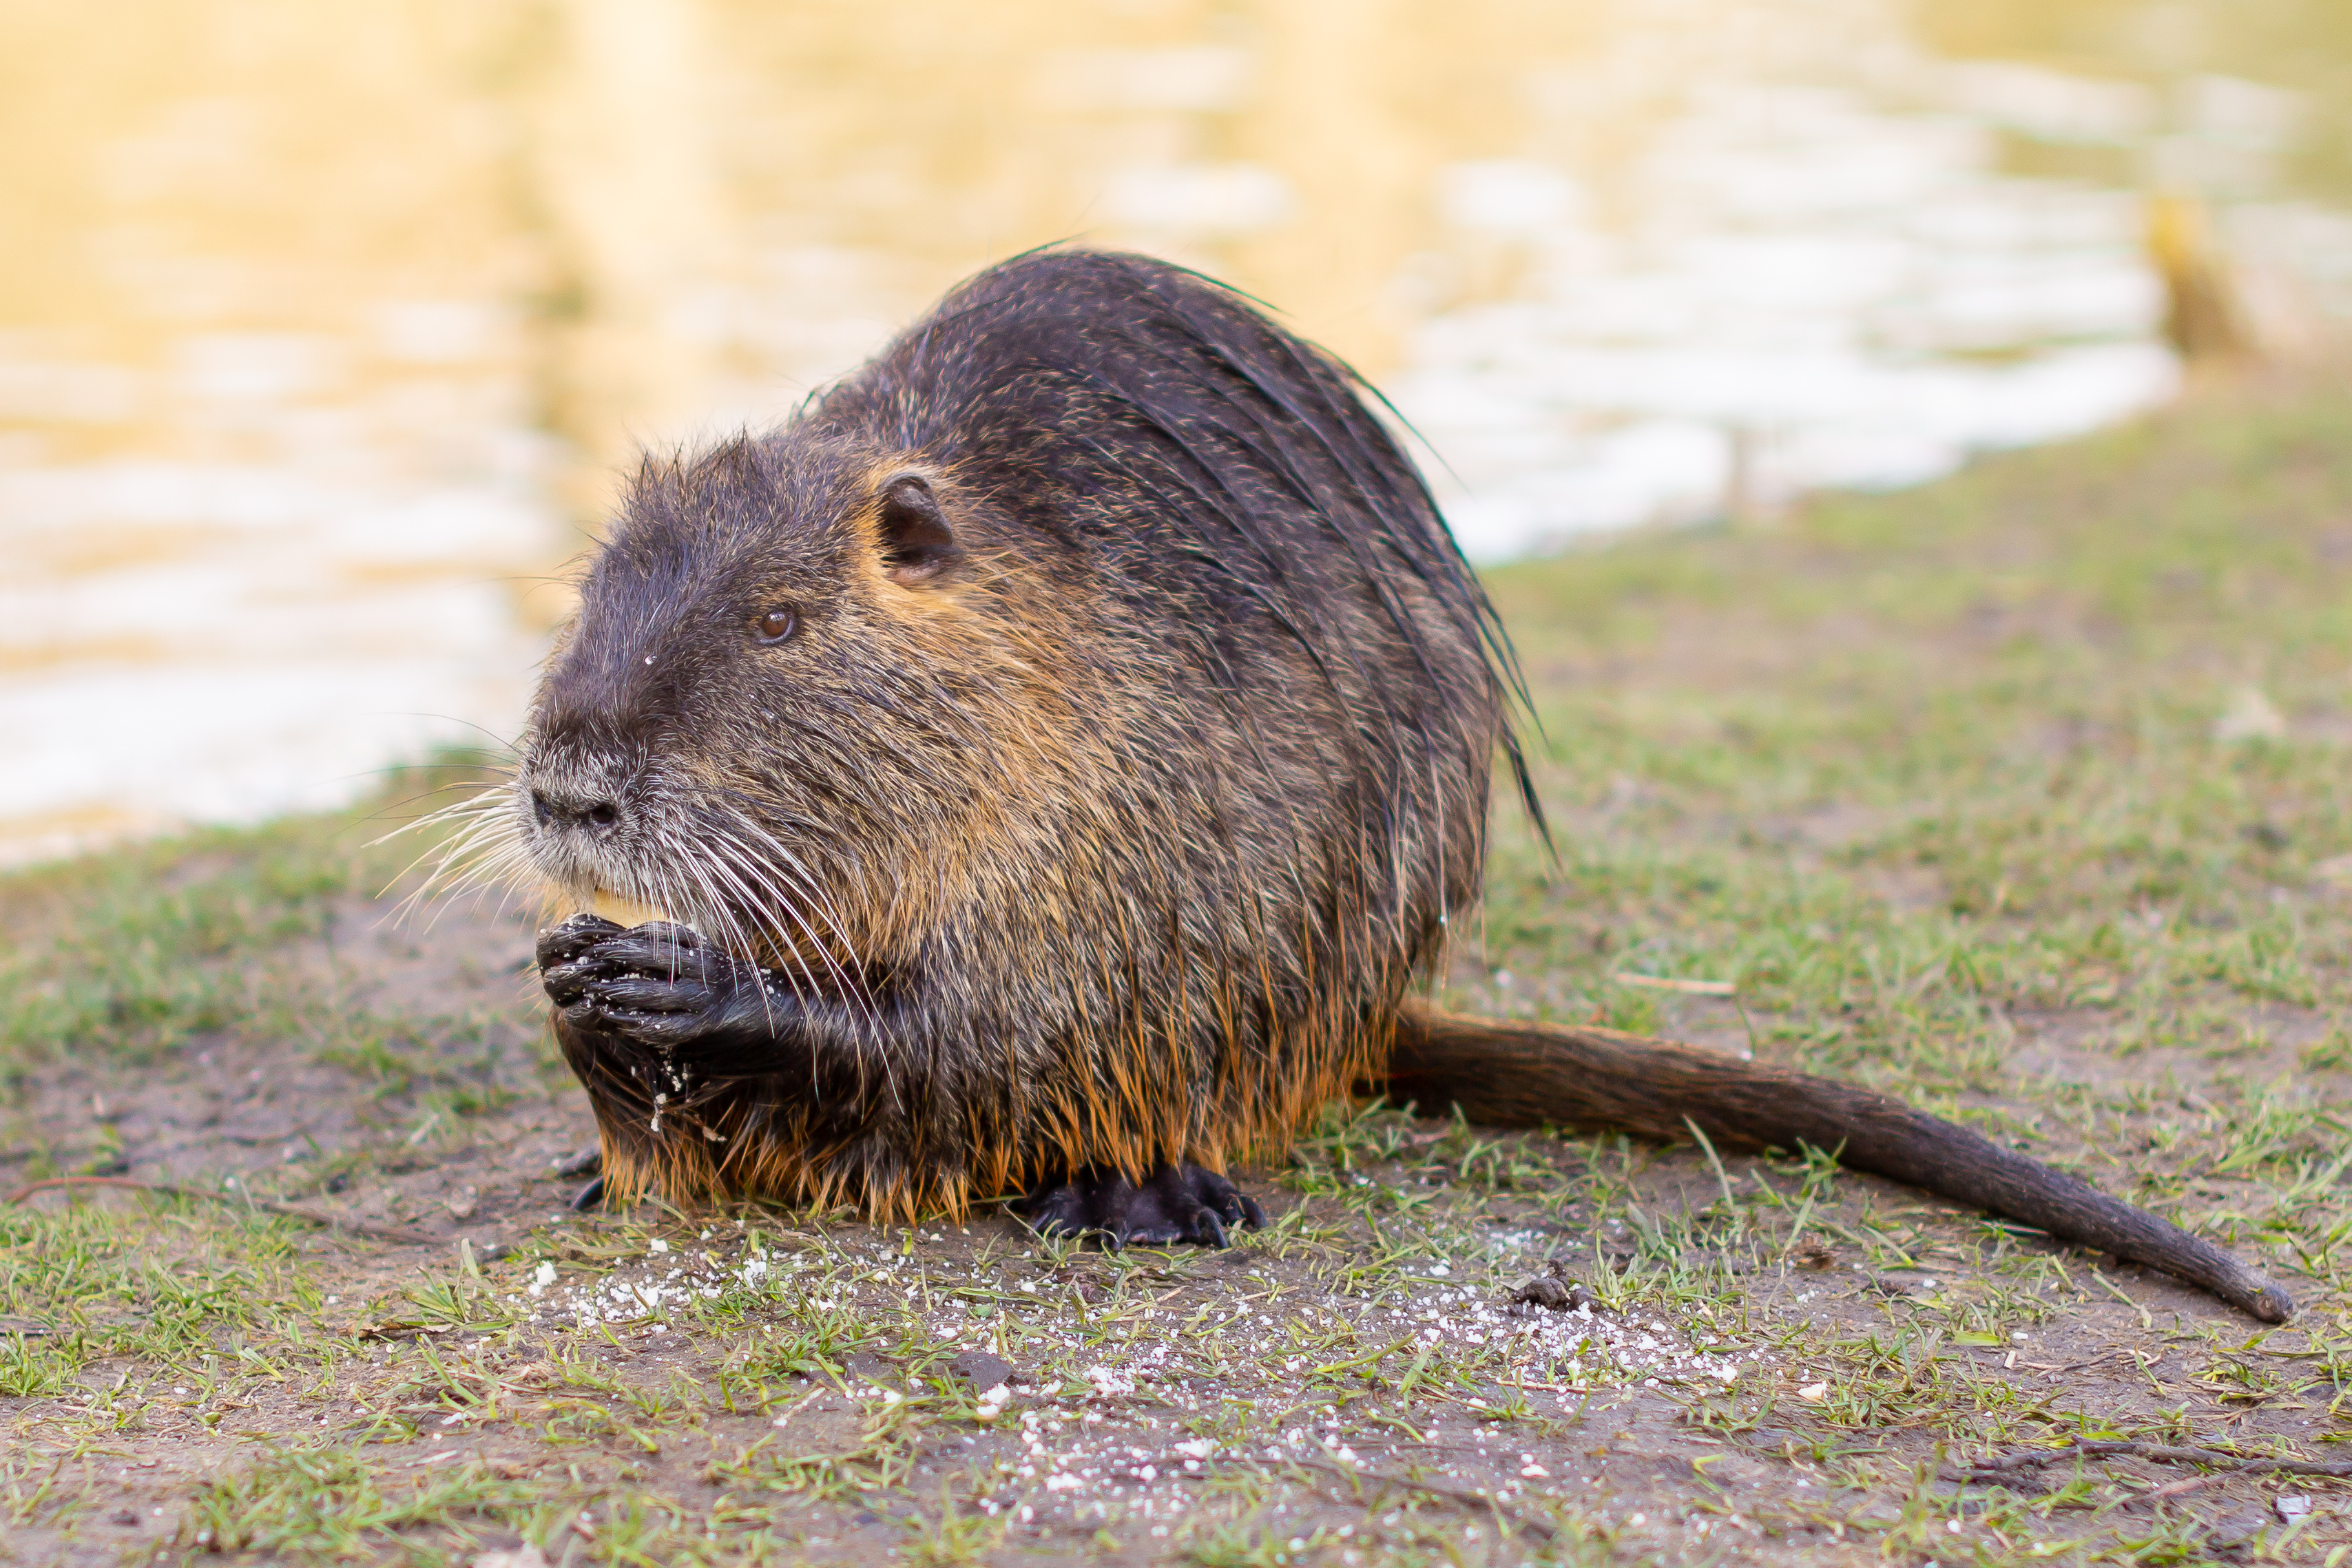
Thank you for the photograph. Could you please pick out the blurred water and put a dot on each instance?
(323, 325)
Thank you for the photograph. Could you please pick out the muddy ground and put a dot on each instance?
(1738, 1396)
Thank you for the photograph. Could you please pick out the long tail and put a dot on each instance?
(1526, 1075)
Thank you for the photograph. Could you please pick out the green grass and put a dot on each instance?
(2021, 795)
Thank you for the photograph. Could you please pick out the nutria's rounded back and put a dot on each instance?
(1084, 700)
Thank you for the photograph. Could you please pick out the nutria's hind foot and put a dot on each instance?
(1176, 1203)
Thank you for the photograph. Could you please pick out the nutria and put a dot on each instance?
(1045, 766)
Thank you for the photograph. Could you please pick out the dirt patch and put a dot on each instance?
(1509, 1344)
(418, 1092)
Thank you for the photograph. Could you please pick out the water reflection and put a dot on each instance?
(323, 325)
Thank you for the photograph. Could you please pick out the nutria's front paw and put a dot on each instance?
(1177, 1203)
(659, 983)
(563, 951)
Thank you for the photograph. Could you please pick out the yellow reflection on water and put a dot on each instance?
(324, 324)
(647, 204)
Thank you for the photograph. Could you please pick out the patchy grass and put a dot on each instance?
(2021, 795)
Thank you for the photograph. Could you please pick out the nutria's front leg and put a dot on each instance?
(653, 1018)
(1176, 1203)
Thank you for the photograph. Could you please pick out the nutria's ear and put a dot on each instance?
(917, 542)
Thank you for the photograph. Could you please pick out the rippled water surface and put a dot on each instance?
(323, 325)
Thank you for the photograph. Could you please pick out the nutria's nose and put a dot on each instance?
(557, 809)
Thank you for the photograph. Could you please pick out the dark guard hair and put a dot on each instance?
(1059, 750)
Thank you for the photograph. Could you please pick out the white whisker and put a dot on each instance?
(484, 851)
(783, 907)
(776, 904)
(718, 865)
(791, 865)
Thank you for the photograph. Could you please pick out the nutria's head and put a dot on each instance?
(753, 723)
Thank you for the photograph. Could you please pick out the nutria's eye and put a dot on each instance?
(774, 626)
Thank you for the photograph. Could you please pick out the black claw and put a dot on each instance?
(589, 1196)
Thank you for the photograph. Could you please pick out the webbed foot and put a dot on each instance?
(1176, 1203)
